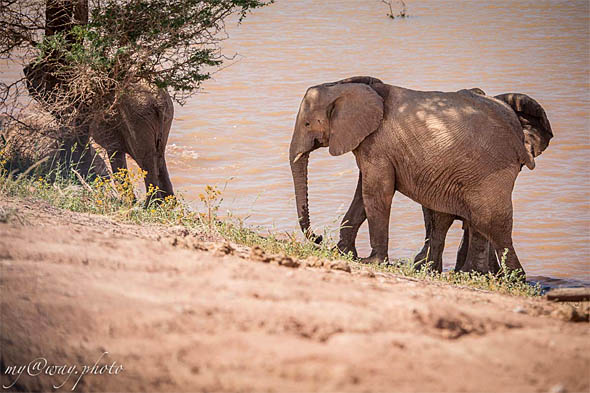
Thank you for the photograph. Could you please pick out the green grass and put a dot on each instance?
(506, 281)
(115, 198)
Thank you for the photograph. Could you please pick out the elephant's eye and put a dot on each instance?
(307, 124)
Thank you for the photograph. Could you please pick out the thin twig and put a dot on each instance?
(390, 9)
(402, 14)
(82, 181)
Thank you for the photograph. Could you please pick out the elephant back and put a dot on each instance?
(533, 120)
(367, 80)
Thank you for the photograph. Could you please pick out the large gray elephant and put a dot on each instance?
(458, 153)
(139, 126)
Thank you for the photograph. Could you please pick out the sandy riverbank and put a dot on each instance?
(178, 314)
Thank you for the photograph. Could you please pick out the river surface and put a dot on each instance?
(235, 133)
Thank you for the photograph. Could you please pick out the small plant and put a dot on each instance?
(123, 181)
(3, 161)
(510, 275)
(211, 199)
(3, 158)
(106, 195)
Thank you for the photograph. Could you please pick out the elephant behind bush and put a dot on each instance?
(137, 123)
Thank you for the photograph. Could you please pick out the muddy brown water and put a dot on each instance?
(235, 134)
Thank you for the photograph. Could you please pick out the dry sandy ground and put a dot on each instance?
(178, 319)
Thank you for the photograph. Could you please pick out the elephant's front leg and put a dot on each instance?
(353, 219)
(152, 178)
(164, 178)
(437, 225)
(378, 187)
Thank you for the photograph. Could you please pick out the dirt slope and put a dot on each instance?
(74, 286)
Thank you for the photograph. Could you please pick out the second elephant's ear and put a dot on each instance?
(356, 113)
(532, 117)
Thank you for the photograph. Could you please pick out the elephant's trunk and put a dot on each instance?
(299, 158)
(299, 171)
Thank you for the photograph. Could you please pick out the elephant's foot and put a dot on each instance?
(155, 199)
(420, 260)
(426, 258)
(346, 248)
(375, 258)
(430, 265)
(511, 267)
(423, 263)
(476, 254)
(317, 239)
(512, 275)
(422, 257)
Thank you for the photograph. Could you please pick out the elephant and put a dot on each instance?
(475, 251)
(139, 126)
(453, 152)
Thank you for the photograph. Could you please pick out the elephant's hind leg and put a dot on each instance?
(479, 255)
(437, 225)
(498, 229)
(353, 219)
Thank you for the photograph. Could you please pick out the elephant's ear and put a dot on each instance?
(532, 117)
(356, 113)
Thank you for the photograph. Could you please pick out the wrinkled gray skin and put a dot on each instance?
(439, 149)
(475, 251)
(139, 127)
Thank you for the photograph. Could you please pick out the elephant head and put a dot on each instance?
(535, 125)
(337, 115)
